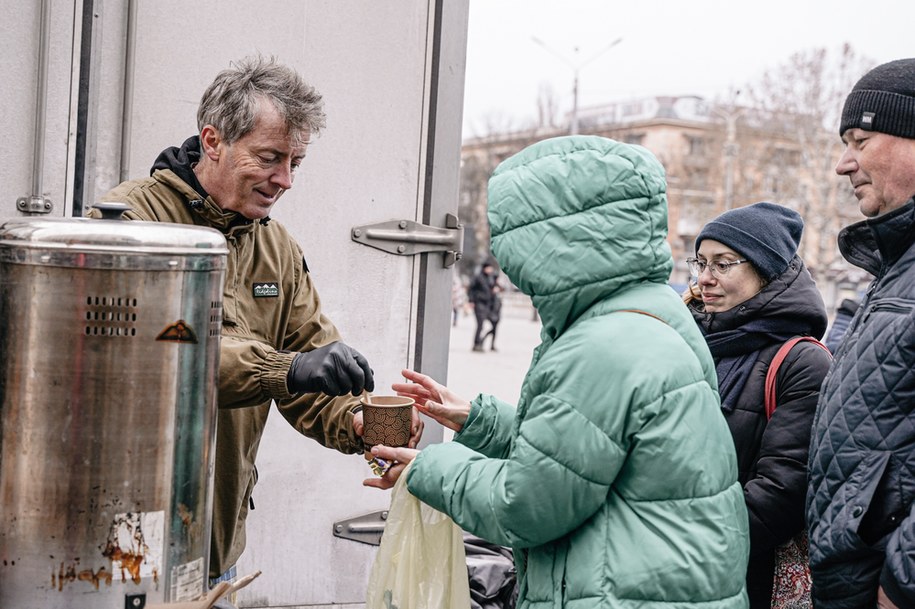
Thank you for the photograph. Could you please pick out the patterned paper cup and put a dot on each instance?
(386, 420)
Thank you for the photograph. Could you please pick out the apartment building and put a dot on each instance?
(717, 156)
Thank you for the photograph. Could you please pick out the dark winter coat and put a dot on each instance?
(772, 455)
(481, 291)
(840, 324)
(862, 460)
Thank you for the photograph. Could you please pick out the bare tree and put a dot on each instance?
(789, 145)
(494, 124)
(547, 106)
(472, 205)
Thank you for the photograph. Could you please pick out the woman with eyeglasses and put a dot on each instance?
(751, 293)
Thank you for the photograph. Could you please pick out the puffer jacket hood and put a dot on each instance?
(597, 190)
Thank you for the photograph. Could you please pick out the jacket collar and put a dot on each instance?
(179, 162)
(875, 243)
(227, 222)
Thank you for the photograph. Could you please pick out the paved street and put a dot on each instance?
(497, 372)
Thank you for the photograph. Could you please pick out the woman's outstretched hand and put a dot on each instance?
(397, 457)
(434, 400)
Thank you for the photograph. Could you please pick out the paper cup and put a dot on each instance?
(386, 420)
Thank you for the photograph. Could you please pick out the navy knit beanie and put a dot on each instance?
(766, 234)
(883, 100)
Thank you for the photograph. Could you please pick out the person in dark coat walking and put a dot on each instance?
(495, 314)
(862, 460)
(754, 295)
(485, 300)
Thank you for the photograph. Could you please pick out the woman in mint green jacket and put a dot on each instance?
(614, 480)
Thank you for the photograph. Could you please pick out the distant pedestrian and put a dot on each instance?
(484, 299)
(495, 315)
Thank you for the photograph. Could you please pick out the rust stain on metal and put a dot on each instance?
(68, 573)
(185, 515)
(191, 528)
(102, 575)
(132, 557)
(129, 561)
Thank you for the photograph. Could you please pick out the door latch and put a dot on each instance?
(408, 238)
(364, 529)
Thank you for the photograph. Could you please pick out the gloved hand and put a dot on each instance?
(334, 369)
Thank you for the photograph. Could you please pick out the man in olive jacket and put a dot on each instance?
(255, 122)
(862, 456)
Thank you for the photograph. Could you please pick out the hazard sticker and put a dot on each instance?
(178, 332)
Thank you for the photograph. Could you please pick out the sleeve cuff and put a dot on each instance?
(469, 435)
(895, 592)
(273, 375)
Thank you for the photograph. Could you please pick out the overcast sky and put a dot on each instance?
(668, 47)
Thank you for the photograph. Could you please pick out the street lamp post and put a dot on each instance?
(731, 147)
(576, 68)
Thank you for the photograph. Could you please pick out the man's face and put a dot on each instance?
(881, 168)
(250, 174)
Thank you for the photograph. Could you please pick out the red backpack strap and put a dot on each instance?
(641, 312)
(780, 356)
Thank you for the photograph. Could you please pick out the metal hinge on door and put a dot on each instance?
(408, 238)
(365, 529)
(34, 205)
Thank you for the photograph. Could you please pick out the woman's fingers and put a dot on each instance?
(411, 390)
(399, 457)
(391, 453)
(421, 379)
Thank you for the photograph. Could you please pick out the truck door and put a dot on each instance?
(125, 80)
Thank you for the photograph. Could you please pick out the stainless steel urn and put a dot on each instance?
(109, 338)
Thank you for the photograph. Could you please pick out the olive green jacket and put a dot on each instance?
(260, 337)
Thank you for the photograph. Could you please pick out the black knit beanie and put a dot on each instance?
(883, 100)
(766, 234)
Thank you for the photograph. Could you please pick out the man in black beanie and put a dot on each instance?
(862, 458)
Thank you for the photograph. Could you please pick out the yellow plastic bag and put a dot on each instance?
(421, 562)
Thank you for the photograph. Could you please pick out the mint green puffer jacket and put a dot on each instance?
(615, 479)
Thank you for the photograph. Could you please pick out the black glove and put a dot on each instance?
(334, 369)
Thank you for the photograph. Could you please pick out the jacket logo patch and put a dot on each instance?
(269, 289)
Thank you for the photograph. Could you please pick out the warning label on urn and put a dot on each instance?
(187, 581)
(178, 332)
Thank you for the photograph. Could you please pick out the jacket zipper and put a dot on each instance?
(889, 306)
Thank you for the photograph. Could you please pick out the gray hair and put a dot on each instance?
(230, 103)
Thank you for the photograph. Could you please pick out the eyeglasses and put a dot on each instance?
(719, 268)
